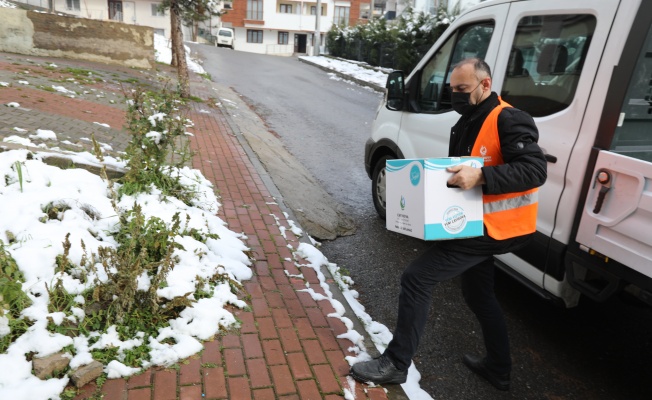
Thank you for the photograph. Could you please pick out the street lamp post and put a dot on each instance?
(317, 30)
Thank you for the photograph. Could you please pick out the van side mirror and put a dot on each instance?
(395, 90)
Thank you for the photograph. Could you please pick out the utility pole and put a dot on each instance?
(317, 30)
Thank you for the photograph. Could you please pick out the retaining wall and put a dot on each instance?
(42, 34)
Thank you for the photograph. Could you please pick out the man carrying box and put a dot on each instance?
(514, 166)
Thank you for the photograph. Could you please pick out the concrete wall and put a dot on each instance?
(40, 34)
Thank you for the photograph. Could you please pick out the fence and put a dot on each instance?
(386, 55)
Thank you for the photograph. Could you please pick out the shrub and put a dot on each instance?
(398, 44)
(157, 123)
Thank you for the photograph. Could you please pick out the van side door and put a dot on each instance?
(546, 66)
(616, 217)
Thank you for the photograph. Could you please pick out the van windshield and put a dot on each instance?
(225, 33)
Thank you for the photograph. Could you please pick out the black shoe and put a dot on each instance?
(477, 365)
(379, 370)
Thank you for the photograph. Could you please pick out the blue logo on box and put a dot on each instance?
(415, 175)
(454, 219)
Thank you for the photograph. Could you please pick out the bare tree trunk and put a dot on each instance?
(180, 51)
(174, 24)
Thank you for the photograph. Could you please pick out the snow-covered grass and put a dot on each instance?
(35, 240)
(164, 54)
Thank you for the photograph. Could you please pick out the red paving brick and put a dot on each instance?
(326, 378)
(252, 346)
(234, 362)
(115, 389)
(267, 328)
(214, 383)
(313, 350)
(258, 374)
(239, 388)
(273, 352)
(308, 390)
(165, 385)
(282, 378)
(139, 394)
(299, 366)
(211, 353)
(190, 393)
(140, 380)
(289, 340)
(264, 394)
(190, 372)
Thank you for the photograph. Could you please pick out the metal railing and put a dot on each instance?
(279, 49)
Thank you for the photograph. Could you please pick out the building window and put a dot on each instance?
(73, 5)
(157, 11)
(313, 10)
(159, 31)
(255, 9)
(365, 9)
(341, 16)
(283, 37)
(254, 36)
(285, 8)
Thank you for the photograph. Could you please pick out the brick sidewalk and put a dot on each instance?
(286, 347)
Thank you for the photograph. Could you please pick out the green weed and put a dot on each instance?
(157, 124)
(12, 298)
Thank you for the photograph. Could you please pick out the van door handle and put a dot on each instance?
(550, 158)
(603, 178)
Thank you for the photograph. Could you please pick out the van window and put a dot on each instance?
(545, 62)
(225, 33)
(633, 136)
(468, 41)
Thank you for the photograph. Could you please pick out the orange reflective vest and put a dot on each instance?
(505, 215)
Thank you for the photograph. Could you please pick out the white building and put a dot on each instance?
(137, 12)
(286, 27)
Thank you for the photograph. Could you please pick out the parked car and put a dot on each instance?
(581, 68)
(225, 37)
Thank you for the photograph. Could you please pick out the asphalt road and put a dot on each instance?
(593, 351)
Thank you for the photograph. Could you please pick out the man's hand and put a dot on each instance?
(465, 177)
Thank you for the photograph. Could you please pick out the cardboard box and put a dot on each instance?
(420, 204)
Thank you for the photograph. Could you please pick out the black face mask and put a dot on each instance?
(461, 101)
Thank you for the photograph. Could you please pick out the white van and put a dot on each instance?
(225, 37)
(583, 70)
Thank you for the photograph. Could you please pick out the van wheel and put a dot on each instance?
(378, 186)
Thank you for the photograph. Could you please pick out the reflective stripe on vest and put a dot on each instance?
(508, 204)
(505, 215)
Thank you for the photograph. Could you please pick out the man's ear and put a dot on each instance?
(486, 83)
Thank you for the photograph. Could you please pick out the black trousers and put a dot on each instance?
(439, 264)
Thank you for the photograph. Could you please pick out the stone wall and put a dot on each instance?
(41, 34)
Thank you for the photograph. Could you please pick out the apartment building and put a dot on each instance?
(137, 12)
(284, 27)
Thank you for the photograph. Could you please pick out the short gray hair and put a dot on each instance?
(479, 65)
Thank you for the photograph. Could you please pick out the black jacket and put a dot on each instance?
(525, 166)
